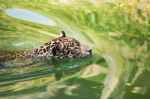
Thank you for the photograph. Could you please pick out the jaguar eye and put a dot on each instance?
(78, 43)
(76, 48)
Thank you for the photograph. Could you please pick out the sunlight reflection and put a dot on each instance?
(30, 16)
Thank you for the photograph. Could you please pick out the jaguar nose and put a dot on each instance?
(90, 51)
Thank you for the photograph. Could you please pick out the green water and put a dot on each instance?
(119, 36)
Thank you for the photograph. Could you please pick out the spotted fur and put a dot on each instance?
(61, 47)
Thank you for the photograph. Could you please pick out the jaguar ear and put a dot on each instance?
(63, 34)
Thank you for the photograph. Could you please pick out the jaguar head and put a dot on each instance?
(67, 47)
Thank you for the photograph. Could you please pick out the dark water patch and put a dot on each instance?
(6, 27)
(140, 89)
(101, 61)
(84, 87)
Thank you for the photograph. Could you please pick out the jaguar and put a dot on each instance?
(62, 47)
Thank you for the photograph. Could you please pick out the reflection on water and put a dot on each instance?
(30, 16)
(60, 79)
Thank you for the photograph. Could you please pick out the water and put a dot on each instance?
(116, 70)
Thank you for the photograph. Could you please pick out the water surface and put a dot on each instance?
(118, 67)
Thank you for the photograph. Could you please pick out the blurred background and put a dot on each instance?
(118, 31)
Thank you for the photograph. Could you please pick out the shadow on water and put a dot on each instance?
(62, 80)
